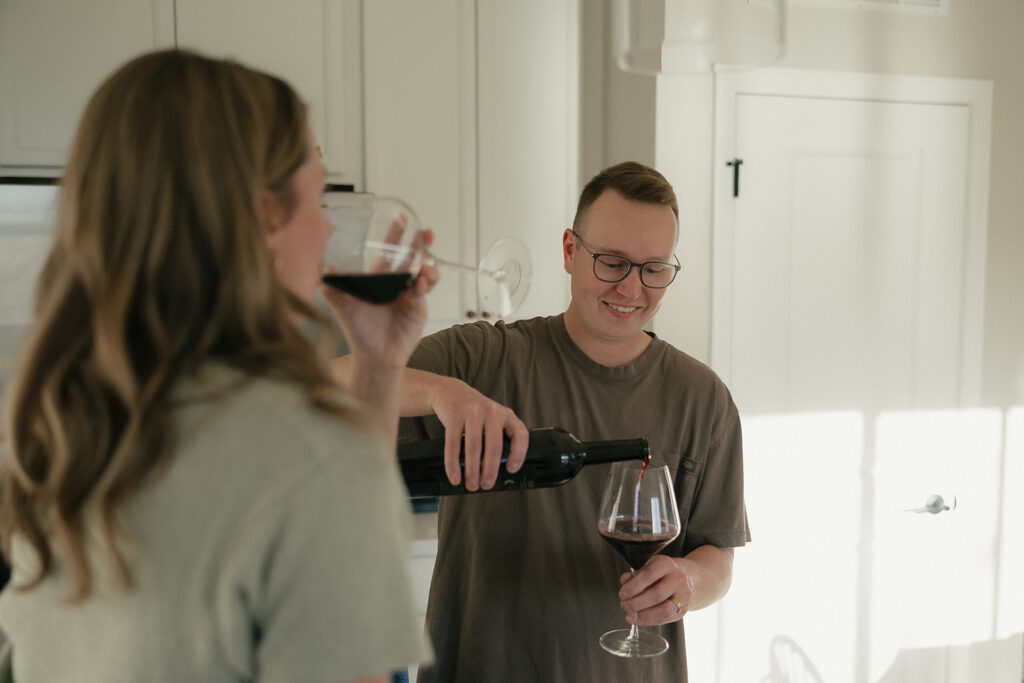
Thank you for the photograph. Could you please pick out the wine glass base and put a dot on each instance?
(646, 644)
(503, 277)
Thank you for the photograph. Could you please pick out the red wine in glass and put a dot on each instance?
(638, 543)
(377, 288)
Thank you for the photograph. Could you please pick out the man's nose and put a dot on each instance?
(631, 285)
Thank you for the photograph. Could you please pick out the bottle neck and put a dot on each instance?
(598, 452)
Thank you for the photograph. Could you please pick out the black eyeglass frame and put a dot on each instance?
(632, 264)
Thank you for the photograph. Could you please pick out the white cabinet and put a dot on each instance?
(472, 118)
(467, 109)
(527, 135)
(53, 55)
(312, 44)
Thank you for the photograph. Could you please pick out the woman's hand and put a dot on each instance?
(385, 334)
(381, 337)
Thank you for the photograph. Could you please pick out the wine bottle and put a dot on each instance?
(553, 457)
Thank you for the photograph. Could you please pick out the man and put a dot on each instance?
(524, 585)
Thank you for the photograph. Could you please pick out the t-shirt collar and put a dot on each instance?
(639, 367)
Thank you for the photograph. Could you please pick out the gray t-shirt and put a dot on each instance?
(275, 547)
(524, 585)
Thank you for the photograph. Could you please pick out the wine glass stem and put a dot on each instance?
(496, 274)
(452, 264)
(634, 632)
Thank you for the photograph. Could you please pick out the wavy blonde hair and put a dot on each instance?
(160, 262)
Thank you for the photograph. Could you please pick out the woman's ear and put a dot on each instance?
(270, 215)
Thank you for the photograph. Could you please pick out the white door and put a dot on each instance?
(847, 313)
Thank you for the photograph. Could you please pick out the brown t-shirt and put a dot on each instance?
(524, 585)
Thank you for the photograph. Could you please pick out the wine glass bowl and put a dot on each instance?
(638, 518)
(377, 249)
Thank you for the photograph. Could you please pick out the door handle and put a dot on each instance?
(934, 505)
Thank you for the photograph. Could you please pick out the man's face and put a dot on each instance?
(618, 311)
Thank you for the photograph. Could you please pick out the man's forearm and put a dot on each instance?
(381, 390)
(412, 400)
(709, 571)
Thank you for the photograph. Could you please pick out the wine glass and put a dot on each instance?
(377, 249)
(638, 518)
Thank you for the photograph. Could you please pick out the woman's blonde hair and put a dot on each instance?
(160, 262)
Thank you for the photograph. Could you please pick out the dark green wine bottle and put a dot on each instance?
(553, 457)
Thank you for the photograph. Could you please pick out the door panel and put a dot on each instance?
(53, 57)
(842, 271)
(846, 303)
(933, 574)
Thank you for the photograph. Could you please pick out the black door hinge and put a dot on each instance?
(735, 163)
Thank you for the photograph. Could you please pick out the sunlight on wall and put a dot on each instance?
(799, 575)
(847, 573)
(933, 576)
(1011, 569)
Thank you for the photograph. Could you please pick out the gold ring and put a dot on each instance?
(675, 601)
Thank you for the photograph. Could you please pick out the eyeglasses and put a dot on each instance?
(615, 268)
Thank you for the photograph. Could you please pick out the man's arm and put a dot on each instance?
(467, 415)
(708, 570)
(419, 387)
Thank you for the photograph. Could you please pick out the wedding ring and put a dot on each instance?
(675, 601)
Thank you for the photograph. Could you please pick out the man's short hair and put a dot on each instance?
(632, 180)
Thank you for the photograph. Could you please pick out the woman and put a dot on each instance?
(186, 495)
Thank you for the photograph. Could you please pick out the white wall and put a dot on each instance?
(670, 124)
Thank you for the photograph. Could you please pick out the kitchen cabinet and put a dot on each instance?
(471, 117)
(54, 54)
(466, 109)
(312, 44)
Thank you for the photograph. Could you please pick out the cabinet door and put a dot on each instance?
(420, 98)
(53, 55)
(472, 118)
(312, 44)
(528, 123)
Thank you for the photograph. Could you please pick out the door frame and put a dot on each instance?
(976, 95)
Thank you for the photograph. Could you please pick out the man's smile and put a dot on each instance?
(622, 309)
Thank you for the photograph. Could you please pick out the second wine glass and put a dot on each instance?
(638, 518)
(377, 249)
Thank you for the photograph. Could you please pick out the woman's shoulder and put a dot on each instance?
(267, 422)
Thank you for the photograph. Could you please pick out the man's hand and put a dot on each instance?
(478, 423)
(666, 587)
(658, 594)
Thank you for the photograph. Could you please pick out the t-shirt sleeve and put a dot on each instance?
(335, 599)
(458, 352)
(718, 515)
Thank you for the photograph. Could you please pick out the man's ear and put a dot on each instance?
(568, 249)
